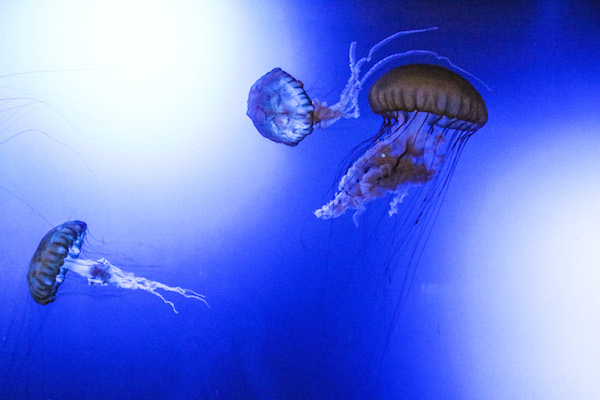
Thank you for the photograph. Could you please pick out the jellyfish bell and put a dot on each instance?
(280, 109)
(283, 112)
(433, 89)
(428, 113)
(46, 269)
(58, 252)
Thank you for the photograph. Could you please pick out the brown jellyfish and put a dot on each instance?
(428, 113)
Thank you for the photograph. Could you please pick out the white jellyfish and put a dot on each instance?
(282, 111)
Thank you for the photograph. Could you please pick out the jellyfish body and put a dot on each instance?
(59, 251)
(280, 109)
(283, 112)
(46, 270)
(429, 112)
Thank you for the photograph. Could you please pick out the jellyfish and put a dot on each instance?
(59, 251)
(283, 112)
(428, 113)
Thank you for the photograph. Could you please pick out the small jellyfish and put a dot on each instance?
(428, 112)
(280, 108)
(283, 112)
(59, 251)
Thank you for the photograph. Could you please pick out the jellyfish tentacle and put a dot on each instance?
(347, 106)
(389, 39)
(102, 273)
(395, 56)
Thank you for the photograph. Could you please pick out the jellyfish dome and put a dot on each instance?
(428, 113)
(428, 89)
(46, 271)
(59, 251)
(280, 109)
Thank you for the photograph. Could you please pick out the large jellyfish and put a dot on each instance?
(282, 111)
(58, 253)
(428, 112)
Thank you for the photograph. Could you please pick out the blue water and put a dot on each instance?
(131, 116)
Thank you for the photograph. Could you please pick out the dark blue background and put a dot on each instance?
(145, 138)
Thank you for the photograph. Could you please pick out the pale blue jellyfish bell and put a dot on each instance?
(283, 112)
(59, 251)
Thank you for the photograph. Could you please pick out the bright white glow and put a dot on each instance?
(152, 96)
(533, 274)
(156, 70)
